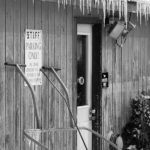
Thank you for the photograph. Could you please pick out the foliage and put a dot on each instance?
(136, 132)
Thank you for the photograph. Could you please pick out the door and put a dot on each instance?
(84, 83)
(89, 83)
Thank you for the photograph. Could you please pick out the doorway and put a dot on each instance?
(84, 82)
(88, 83)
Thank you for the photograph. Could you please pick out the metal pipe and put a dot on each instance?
(67, 104)
(30, 87)
(59, 80)
(14, 65)
(100, 136)
(32, 93)
(53, 85)
(74, 129)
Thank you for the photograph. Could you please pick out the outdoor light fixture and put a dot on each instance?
(116, 30)
(120, 29)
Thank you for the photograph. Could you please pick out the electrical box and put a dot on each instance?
(105, 80)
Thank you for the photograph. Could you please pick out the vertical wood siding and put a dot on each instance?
(16, 108)
(2, 75)
(128, 75)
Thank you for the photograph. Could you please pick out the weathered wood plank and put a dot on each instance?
(148, 62)
(2, 75)
(62, 107)
(51, 62)
(74, 76)
(38, 26)
(104, 91)
(17, 85)
(38, 88)
(69, 71)
(10, 123)
(23, 26)
(110, 88)
(57, 64)
(45, 85)
(29, 112)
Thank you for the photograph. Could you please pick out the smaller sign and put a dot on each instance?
(33, 56)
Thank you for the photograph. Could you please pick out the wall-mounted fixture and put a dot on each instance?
(120, 29)
(116, 29)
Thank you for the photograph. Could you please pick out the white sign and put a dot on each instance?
(33, 56)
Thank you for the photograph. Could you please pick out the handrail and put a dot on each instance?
(66, 101)
(70, 129)
(31, 90)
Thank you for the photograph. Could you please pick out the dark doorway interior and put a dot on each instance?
(96, 84)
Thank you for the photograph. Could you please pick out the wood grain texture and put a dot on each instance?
(10, 122)
(62, 108)
(51, 62)
(17, 78)
(23, 26)
(38, 26)
(45, 86)
(2, 75)
(29, 119)
(69, 42)
(57, 63)
(130, 76)
(129, 73)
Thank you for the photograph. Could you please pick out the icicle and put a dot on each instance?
(95, 4)
(74, 3)
(58, 2)
(80, 5)
(148, 12)
(140, 12)
(120, 9)
(83, 7)
(98, 6)
(143, 7)
(137, 10)
(108, 6)
(87, 6)
(104, 10)
(126, 12)
(90, 5)
(144, 11)
(113, 8)
(69, 2)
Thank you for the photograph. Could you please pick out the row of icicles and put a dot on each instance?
(143, 7)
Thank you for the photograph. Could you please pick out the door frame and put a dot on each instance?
(86, 20)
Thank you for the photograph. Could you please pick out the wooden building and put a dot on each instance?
(128, 69)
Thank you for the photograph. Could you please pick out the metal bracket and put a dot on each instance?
(50, 68)
(66, 100)
(30, 87)
(14, 65)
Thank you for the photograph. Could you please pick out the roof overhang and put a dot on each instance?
(140, 7)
